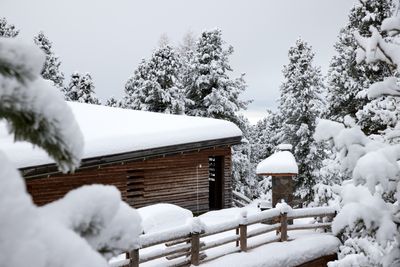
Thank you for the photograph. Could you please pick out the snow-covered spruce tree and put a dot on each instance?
(212, 92)
(265, 136)
(366, 223)
(113, 102)
(35, 232)
(263, 139)
(243, 171)
(155, 85)
(51, 69)
(81, 89)
(369, 221)
(347, 80)
(7, 30)
(300, 104)
(186, 52)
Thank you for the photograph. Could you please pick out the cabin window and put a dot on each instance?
(216, 182)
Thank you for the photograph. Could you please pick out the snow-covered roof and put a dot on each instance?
(109, 131)
(278, 163)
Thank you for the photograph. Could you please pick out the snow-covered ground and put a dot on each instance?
(305, 245)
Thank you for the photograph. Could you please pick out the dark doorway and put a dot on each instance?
(216, 181)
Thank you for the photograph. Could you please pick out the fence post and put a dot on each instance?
(283, 219)
(195, 249)
(243, 233)
(134, 258)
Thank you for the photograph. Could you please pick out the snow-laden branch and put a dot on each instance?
(375, 48)
(34, 109)
(371, 162)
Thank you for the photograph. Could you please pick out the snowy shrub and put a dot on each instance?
(325, 195)
(265, 189)
(366, 222)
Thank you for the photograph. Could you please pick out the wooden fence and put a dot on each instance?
(184, 246)
(240, 200)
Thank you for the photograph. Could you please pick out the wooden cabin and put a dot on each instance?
(150, 157)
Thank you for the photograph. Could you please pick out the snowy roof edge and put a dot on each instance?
(50, 168)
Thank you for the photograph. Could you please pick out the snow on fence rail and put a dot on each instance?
(184, 246)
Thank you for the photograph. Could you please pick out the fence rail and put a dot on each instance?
(184, 246)
(240, 200)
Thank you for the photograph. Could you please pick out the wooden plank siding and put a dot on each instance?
(180, 179)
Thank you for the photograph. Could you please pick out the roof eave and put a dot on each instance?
(48, 169)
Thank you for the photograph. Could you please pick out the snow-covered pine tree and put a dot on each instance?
(243, 172)
(155, 85)
(81, 89)
(186, 52)
(347, 80)
(7, 30)
(265, 136)
(213, 93)
(71, 90)
(113, 102)
(300, 105)
(263, 139)
(86, 92)
(51, 69)
(369, 220)
(188, 45)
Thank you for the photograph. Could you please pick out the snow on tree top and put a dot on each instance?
(285, 147)
(279, 162)
(110, 131)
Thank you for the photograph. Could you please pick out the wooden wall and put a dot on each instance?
(180, 179)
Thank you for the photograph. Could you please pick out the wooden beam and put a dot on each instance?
(47, 169)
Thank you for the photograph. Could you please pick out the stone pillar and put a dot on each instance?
(282, 188)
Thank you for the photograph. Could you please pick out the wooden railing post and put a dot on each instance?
(284, 222)
(243, 233)
(195, 249)
(134, 258)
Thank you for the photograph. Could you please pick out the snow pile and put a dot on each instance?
(279, 162)
(107, 132)
(159, 217)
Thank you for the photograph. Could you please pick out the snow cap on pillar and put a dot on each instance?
(279, 163)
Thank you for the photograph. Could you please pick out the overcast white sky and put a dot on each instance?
(108, 38)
